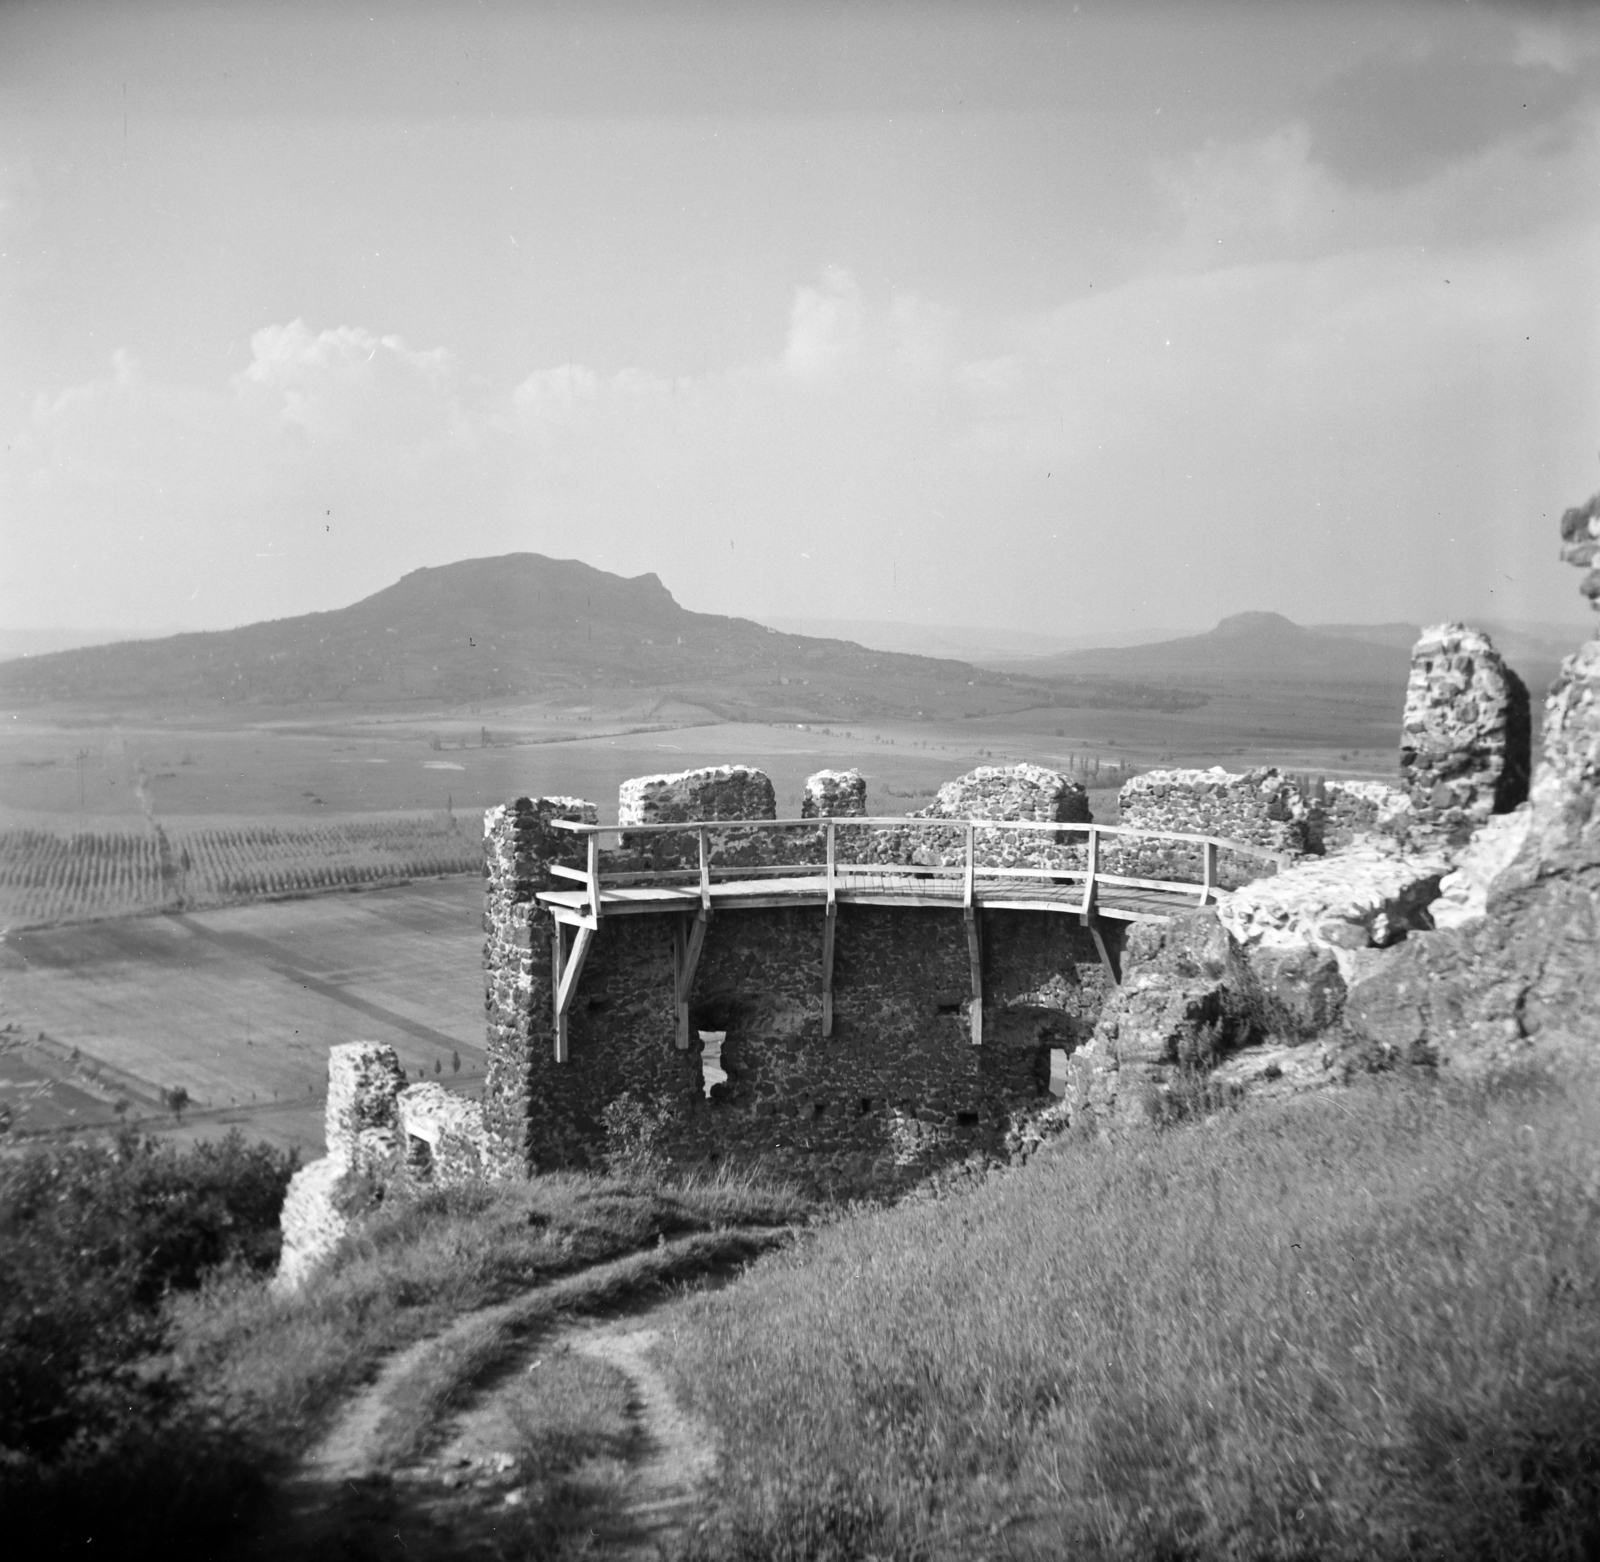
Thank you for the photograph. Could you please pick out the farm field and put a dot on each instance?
(237, 1008)
(124, 867)
(66, 772)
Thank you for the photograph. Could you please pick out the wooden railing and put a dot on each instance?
(838, 875)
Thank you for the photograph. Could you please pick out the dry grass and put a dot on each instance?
(1363, 1324)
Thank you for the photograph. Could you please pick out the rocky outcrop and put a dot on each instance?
(1580, 544)
(1564, 830)
(1477, 997)
(1494, 847)
(1464, 735)
(1366, 897)
(1187, 999)
(834, 794)
(1521, 975)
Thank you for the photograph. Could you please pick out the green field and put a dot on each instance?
(238, 1008)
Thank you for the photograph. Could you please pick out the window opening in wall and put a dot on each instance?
(1058, 1071)
(711, 1070)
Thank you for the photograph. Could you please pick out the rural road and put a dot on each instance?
(479, 1487)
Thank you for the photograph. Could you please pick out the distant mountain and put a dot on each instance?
(1269, 648)
(526, 626)
(1252, 647)
(964, 642)
(38, 642)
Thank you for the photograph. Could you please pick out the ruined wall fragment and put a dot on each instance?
(834, 794)
(1262, 807)
(1464, 740)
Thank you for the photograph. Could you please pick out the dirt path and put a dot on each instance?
(678, 1451)
(568, 1437)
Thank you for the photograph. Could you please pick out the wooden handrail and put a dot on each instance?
(904, 821)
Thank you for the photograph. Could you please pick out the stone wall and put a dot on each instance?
(894, 1089)
(518, 847)
(1263, 807)
(1464, 739)
(900, 1053)
(1356, 808)
(380, 1132)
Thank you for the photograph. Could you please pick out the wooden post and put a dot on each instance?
(972, 836)
(555, 994)
(1209, 877)
(975, 960)
(594, 875)
(832, 846)
(830, 925)
(1094, 867)
(705, 871)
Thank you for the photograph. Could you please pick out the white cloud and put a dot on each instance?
(825, 325)
(1347, 435)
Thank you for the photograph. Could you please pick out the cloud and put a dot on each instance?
(825, 325)
(344, 383)
(1371, 432)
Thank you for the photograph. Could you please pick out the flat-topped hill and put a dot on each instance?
(526, 626)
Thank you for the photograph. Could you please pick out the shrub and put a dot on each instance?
(92, 1238)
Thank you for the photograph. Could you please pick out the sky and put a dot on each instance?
(1067, 318)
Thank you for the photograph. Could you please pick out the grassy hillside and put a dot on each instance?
(525, 626)
(1360, 1325)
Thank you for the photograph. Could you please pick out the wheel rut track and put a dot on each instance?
(361, 1492)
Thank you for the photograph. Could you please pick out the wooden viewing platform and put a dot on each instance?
(971, 885)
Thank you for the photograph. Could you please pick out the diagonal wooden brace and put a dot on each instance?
(566, 980)
(687, 952)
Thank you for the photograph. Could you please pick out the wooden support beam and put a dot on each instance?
(687, 960)
(1208, 878)
(1094, 868)
(1093, 924)
(830, 924)
(975, 960)
(566, 976)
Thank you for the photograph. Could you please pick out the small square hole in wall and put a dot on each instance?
(865, 1109)
(818, 1108)
(1058, 1071)
(711, 1070)
(966, 1119)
